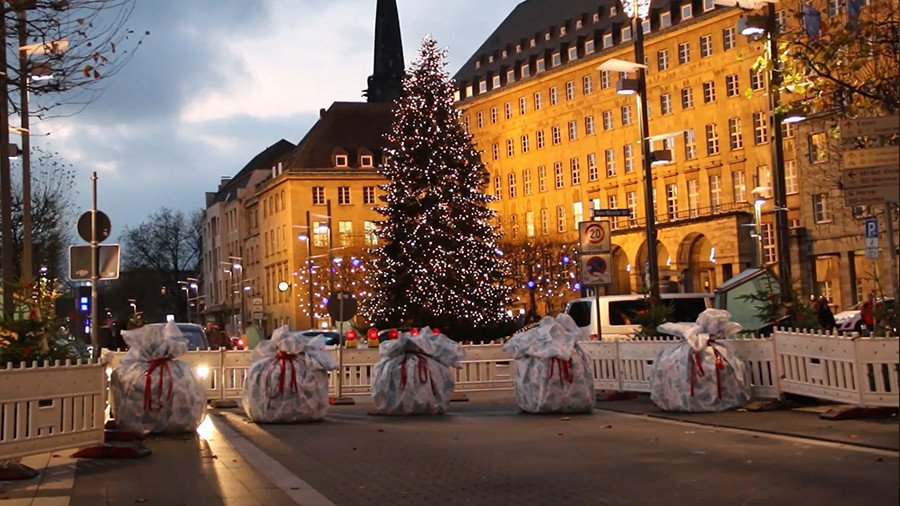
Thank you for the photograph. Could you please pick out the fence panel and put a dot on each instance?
(604, 363)
(636, 362)
(759, 357)
(484, 368)
(234, 368)
(878, 361)
(818, 365)
(51, 408)
(357, 371)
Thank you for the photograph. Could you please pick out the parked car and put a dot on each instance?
(196, 337)
(851, 319)
(331, 335)
(617, 311)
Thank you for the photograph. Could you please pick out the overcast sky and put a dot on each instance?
(217, 81)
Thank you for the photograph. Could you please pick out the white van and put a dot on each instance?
(617, 311)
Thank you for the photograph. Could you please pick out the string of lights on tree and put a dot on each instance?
(349, 274)
(438, 262)
(549, 269)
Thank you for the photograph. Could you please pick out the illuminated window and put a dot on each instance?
(545, 221)
(558, 174)
(575, 170)
(345, 232)
(715, 192)
(542, 178)
(593, 173)
(610, 162)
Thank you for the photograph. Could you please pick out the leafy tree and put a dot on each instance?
(439, 264)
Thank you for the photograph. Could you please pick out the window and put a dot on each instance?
(610, 162)
(687, 98)
(340, 160)
(589, 46)
(612, 11)
(555, 135)
(555, 59)
(523, 105)
(368, 194)
(514, 225)
(529, 224)
(604, 79)
(577, 214)
(708, 5)
(369, 231)
(510, 76)
(575, 170)
(587, 85)
(525, 146)
(466, 124)
(498, 188)
(715, 192)
(687, 11)
(607, 120)
(787, 130)
(709, 92)
(732, 86)
(365, 161)
(524, 70)
(712, 139)
(757, 80)
(561, 219)
(665, 104)
(588, 125)
(495, 151)
(511, 185)
(781, 18)
(345, 232)
(479, 119)
(764, 176)
(526, 181)
(739, 184)
(495, 82)
(572, 53)
(693, 186)
(628, 156)
(538, 101)
(507, 110)
(573, 130)
(493, 115)
(821, 213)
(539, 65)
(818, 147)
(318, 195)
(684, 53)
(607, 40)
(735, 137)
(706, 47)
(626, 34)
(662, 59)
(540, 139)
(558, 175)
(554, 95)
(728, 39)
(672, 201)
(665, 19)
(545, 221)
(593, 173)
(542, 178)
(320, 234)
(760, 128)
(631, 204)
(768, 243)
(570, 90)
(482, 87)
(612, 202)
(626, 115)
(510, 148)
(791, 178)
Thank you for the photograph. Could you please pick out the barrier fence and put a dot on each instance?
(62, 405)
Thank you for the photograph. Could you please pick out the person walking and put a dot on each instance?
(867, 313)
(824, 314)
(252, 336)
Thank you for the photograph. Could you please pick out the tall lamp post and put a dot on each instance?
(308, 238)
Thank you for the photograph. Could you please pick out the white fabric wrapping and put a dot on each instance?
(153, 392)
(413, 375)
(701, 373)
(288, 379)
(553, 373)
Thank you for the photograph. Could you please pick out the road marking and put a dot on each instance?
(295, 488)
(759, 433)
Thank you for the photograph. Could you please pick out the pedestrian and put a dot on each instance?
(824, 314)
(118, 342)
(105, 334)
(217, 338)
(867, 312)
(252, 336)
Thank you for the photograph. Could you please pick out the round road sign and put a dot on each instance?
(104, 226)
(341, 306)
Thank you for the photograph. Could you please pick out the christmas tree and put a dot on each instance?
(439, 263)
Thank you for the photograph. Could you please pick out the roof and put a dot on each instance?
(265, 159)
(350, 128)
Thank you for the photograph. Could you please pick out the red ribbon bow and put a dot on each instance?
(421, 369)
(695, 364)
(163, 365)
(565, 369)
(283, 360)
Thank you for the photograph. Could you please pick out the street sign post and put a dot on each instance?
(869, 196)
(871, 228)
(80, 262)
(611, 213)
(342, 307)
(872, 176)
(595, 269)
(871, 157)
(594, 237)
(881, 125)
(104, 226)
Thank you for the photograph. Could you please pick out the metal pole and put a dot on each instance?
(26, 154)
(309, 269)
(757, 228)
(330, 248)
(340, 381)
(778, 183)
(6, 257)
(597, 307)
(644, 126)
(892, 252)
(95, 267)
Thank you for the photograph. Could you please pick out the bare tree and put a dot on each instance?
(167, 243)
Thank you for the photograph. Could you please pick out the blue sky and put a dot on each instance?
(217, 81)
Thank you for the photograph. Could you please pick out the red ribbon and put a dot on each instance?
(565, 369)
(421, 370)
(720, 364)
(163, 365)
(695, 364)
(283, 360)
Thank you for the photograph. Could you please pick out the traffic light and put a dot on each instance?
(83, 309)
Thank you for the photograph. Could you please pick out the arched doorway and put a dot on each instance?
(640, 267)
(621, 277)
(699, 272)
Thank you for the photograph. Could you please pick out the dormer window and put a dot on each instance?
(596, 17)
(532, 42)
(665, 19)
(495, 82)
(511, 76)
(589, 46)
(366, 161)
(525, 70)
(518, 48)
(607, 40)
(626, 34)
(482, 86)
(547, 36)
(687, 11)
(340, 161)
(504, 54)
(557, 60)
(578, 24)
(539, 65)
(645, 26)
(562, 31)
(477, 64)
(613, 11)
(573, 52)
(491, 59)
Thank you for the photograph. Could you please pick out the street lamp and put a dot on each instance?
(759, 201)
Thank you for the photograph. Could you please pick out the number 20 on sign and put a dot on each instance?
(594, 236)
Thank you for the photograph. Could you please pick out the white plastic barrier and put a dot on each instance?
(50, 408)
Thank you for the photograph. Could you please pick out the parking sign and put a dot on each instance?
(871, 225)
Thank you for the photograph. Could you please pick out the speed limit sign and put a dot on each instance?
(594, 236)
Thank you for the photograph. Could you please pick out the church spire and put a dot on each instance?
(385, 83)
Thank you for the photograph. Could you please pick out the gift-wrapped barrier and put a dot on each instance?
(288, 379)
(700, 373)
(413, 376)
(553, 373)
(151, 390)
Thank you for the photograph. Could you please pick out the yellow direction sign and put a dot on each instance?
(872, 176)
(872, 157)
(869, 196)
(857, 127)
